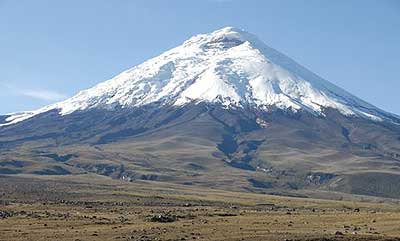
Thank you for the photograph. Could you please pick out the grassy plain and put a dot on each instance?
(92, 207)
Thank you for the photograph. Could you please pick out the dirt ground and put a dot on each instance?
(63, 210)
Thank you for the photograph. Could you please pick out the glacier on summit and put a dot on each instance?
(228, 66)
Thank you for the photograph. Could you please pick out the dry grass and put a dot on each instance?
(89, 207)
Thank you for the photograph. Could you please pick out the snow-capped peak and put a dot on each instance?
(228, 66)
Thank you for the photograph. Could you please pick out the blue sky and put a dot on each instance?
(50, 49)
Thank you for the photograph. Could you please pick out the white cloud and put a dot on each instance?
(48, 95)
(40, 94)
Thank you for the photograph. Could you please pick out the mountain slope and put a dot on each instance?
(228, 66)
(222, 110)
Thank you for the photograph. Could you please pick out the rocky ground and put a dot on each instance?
(49, 209)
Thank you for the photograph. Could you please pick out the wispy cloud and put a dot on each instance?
(39, 94)
(48, 95)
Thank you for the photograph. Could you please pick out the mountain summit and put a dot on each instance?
(228, 66)
(222, 110)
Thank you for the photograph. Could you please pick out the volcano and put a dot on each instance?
(222, 110)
